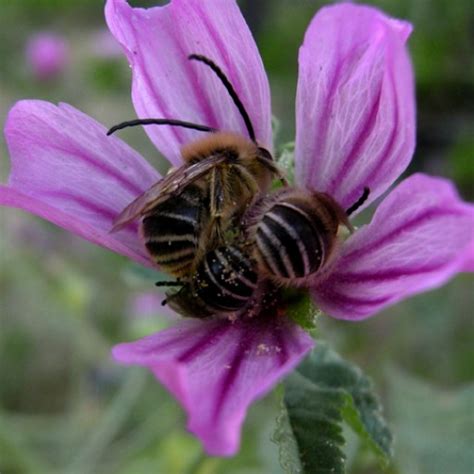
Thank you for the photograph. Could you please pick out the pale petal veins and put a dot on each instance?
(159, 40)
(66, 170)
(421, 235)
(355, 108)
(216, 369)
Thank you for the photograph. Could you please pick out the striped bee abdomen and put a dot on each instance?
(292, 240)
(171, 231)
(225, 279)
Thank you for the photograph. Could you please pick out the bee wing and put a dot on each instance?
(136, 207)
(167, 187)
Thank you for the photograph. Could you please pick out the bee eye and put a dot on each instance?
(264, 153)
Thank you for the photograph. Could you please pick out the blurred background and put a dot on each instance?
(66, 408)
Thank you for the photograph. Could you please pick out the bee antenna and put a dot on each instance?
(161, 121)
(230, 90)
(359, 202)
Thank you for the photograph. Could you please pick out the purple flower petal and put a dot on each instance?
(217, 368)
(421, 235)
(158, 41)
(355, 108)
(66, 170)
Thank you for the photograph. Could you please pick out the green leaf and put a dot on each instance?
(362, 411)
(323, 392)
(434, 426)
(285, 438)
(286, 160)
(304, 449)
(302, 310)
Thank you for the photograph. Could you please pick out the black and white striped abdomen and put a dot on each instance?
(292, 241)
(171, 231)
(225, 279)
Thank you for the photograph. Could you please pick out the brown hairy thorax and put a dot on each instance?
(216, 142)
(244, 175)
(241, 152)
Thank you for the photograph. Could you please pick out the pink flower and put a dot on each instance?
(47, 55)
(355, 128)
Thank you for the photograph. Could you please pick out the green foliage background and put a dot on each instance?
(66, 408)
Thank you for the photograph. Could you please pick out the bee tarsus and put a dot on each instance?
(169, 283)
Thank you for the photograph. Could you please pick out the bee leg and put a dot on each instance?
(172, 296)
(169, 283)
(217, 200)
(216, 193)
(247, 179)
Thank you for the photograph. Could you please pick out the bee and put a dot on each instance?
(224, 282)
(296, 234)
(291, 236)
(194, 207)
